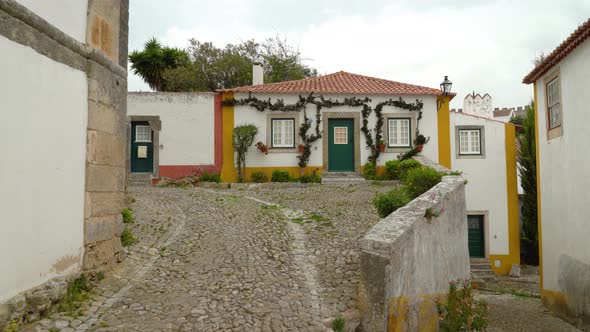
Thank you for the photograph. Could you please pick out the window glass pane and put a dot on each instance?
(399, 132)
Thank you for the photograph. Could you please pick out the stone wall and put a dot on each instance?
(408, 259)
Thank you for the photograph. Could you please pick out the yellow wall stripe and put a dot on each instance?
(444, 132)
(228, 169)
(540, 229)
(512, 194)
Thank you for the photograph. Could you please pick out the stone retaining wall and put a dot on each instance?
(408, 259)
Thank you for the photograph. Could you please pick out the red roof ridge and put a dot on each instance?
(565, 48)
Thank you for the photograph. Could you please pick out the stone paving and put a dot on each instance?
(233, 260)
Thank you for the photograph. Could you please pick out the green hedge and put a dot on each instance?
(281, 176)
(259, 177)
(390, 201)
(420, 180)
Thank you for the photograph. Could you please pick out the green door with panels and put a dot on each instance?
(341, 145)
(142, 148)
(475, 236)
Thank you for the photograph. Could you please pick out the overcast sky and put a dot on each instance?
(483, 46)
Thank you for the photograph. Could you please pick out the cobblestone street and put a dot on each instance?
(223, 260)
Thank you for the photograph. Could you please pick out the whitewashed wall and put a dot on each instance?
(187, 133)
(42, 171)
(486, 187)
(67, 15)
(564, 169)
(246, 114)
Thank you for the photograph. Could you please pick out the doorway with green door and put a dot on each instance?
(341, 145)
(476, 235)
(142, 147)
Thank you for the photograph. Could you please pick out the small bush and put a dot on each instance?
(127, 238)
(311, 178)
(370, 171)
(406, 165)
(390, 201)
(78, 292)
(420, 180)
(259, 177)
(206, 177)
(127, 216)
(338, 324)
(461, 312)
(393, 169)
(281, 176)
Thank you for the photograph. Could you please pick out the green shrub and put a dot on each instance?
(206, 177)
(127, 238)
(370, 171)
(127, 216)
(338, 324)
(78, 292)
(461, 312)
(281, 176)
(390, 201)
(420, 180)
(406, 165)
(393, 169)
(259, 177)
(311, 178)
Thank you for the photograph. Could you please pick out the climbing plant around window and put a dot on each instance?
(372, 136)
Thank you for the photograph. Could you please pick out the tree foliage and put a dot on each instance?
(243, 137)
(527, 169)
(211, 68)
(154, 60)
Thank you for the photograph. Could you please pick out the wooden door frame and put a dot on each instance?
(156, 125)
(355, 117)
(486, 229)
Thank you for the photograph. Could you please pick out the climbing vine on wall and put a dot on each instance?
(372, 136)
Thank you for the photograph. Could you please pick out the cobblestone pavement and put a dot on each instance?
(232, 260)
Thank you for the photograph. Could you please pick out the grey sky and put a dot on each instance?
(484, 46)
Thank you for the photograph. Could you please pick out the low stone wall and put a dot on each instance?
(409, 257)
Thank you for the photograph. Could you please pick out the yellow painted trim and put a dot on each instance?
(444, 132)
(539, 225)
(556, 302)
(295, 171)
(228, 168)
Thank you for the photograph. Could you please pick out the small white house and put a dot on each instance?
(347, 113)
(562, 97)
(484, 150)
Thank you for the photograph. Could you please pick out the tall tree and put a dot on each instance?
(151, 63)
(527, 168)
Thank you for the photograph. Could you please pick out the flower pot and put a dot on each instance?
(381, 147)
(419, 148)
(301, 148)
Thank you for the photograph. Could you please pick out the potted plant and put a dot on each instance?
(420, 141)
(381, 145)
(262, 147)
(301, 148)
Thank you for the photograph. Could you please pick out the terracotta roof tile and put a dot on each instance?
(575, 39)
(340, 83)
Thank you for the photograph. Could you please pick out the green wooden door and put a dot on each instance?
(475, 236)
(341, 145)
(142, 148)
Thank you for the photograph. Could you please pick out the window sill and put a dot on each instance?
(283, 150)
(397, 149)
(471, 156)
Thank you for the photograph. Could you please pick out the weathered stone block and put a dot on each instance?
(100, 204)
(99, 229)
(105, 118)
(105, 178)
(105, 149)
(101, 255)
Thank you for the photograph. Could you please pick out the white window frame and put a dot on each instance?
(345, 136)
(553, 104)
(140, 137)
(396, 124)
(471, 151)
(282, 125)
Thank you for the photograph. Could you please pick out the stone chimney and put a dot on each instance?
(257, 74)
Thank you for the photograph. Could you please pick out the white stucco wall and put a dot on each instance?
(67, 15)
(563, 165)
(187, 134)
(486, 187)
(246, 114)
(42, 171)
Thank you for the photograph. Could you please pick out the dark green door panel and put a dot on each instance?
(475, 236)
(141, 164)
(341, 145)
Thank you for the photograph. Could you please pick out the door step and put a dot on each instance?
(481, 271)
(341, 178)
(140, 180)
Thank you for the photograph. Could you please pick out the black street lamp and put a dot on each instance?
(445, 88)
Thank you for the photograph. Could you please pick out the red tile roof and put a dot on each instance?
(575, 39)
(503, 111)
(340, 83)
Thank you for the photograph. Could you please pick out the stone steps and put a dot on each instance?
(481, 271)
(140, 180)
(341, 178)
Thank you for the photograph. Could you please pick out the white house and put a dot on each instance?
(484, 150)
(562, 97)
(333, 105)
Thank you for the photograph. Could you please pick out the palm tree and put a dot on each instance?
(151, 63)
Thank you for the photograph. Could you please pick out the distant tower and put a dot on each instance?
(479, 105)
